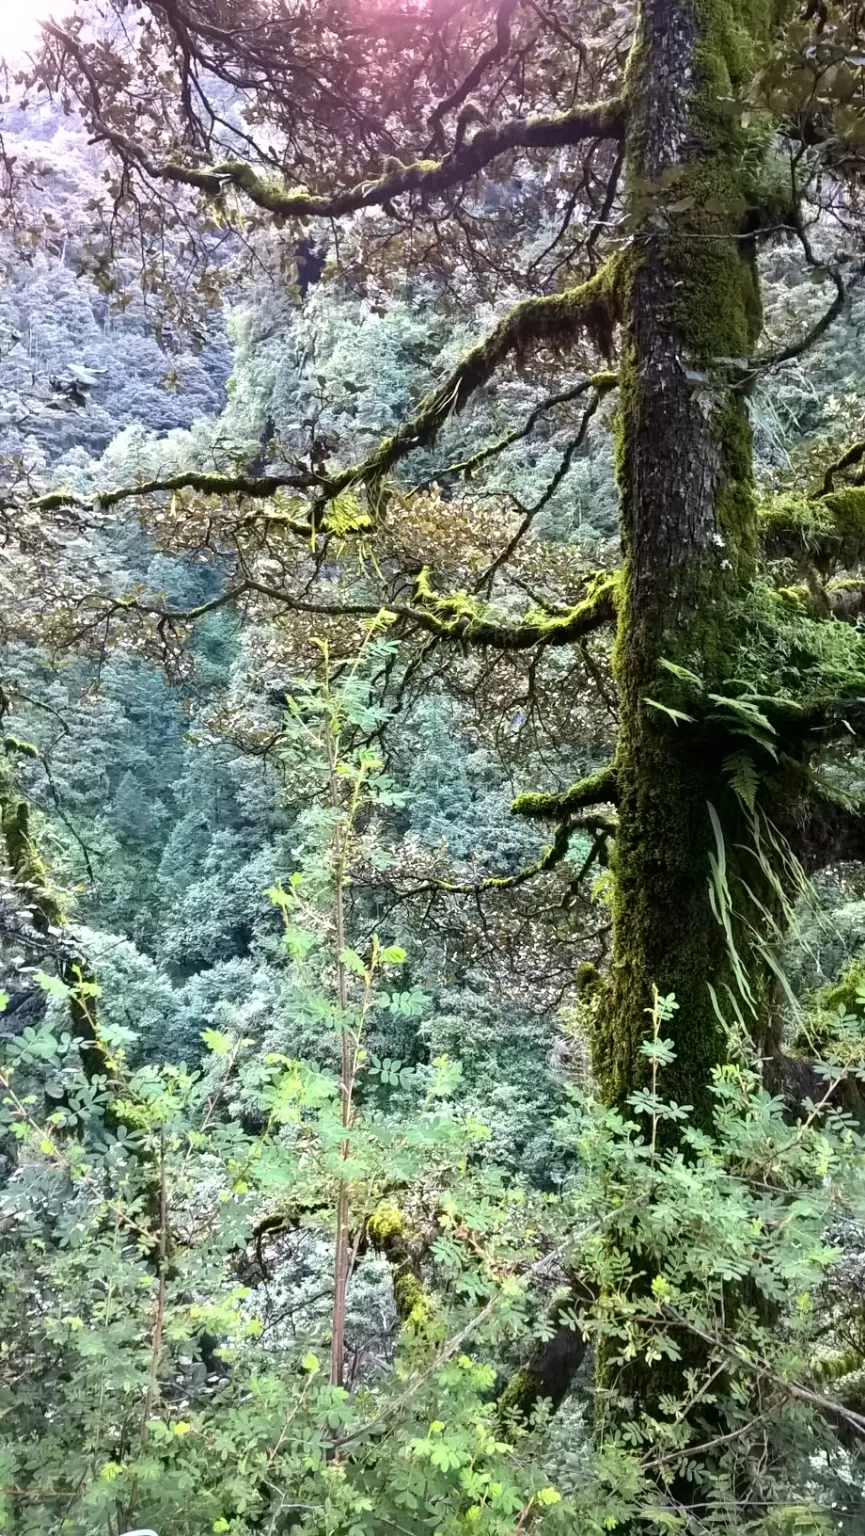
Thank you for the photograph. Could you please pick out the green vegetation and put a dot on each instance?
(432, 853)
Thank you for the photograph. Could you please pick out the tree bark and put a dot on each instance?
(690, 305)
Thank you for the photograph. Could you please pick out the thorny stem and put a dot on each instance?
(340, 1266)
(349, 1044)
(157, 1337)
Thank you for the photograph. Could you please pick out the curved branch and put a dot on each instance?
(601, 382)
(600, 120)
(492, 55)
(556, 319)
(773, 359)
(530, 513)
(854, 455)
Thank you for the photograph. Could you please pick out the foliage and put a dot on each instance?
(345, 851)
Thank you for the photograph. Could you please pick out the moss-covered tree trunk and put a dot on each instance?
(691, 309)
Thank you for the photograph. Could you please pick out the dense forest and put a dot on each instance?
(432, 791)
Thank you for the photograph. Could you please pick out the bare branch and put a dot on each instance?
(492, 55)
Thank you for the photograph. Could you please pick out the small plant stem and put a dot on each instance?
(340, 1264)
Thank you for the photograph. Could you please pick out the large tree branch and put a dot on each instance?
(600, 828)
(823, 830)
(555, 319)
(448, 618)
(603, 119)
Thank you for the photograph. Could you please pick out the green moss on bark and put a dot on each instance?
(596, 789)
(690, 293)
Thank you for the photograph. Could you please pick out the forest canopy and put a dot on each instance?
(432, 795)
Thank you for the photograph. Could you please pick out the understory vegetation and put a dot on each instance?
(432, 794)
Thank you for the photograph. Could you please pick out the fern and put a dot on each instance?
(744, 778)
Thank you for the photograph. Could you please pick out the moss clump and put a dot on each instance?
(835, 1023)
(14, 744)
(845, 993)
(386, 1223)
(519, 1397)
(411, 1301)
(847, 508)
(588, 977)
(794, 513)
(832, 525)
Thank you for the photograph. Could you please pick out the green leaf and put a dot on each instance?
(548, 1496)
(744, 778)
(352, 962)
(675, 714)
(216, 1041)
(685, 673)
(52, 985)
(393, 955)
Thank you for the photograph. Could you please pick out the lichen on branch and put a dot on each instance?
(462, 617)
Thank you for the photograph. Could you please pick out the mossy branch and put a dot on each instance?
(601, 828)
(462, 618)
(601, 788)
(429, 178)
(555, 319)
(829, 525)
(827, 831)
(208, 484)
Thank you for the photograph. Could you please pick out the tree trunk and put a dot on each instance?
(690, 306)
